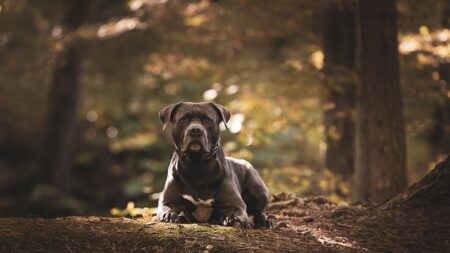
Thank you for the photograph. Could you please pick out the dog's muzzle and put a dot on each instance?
(195, 139)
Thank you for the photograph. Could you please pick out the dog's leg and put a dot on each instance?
(261, 221)
(256, 196)
(167, 214)
(255, 206)
(169, 206)
(235, 217)
(231, 206)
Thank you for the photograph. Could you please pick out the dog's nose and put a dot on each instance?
(195, 131)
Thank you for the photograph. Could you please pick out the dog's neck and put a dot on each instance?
(200, 172)
(201, 164)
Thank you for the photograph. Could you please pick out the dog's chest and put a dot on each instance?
(203, 207)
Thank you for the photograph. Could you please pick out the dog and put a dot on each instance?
(202, 184)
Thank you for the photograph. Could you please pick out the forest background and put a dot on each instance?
(287, 70)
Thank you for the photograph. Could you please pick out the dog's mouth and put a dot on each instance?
(195, 146)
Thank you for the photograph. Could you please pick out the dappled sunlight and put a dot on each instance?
(137, 141)
(328, 240)
(408, 44)
(235, 123)
(431, 47)
(113, 29)
(133, 211)
(210, 94)
(112, 132)
(175, 63)
(91, 116)
(317, 59)
(135, 5)
(232, 89)
(307, 182)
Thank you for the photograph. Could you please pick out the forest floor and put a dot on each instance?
(417, 220)
(300, 225)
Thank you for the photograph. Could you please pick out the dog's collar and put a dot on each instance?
(212, 153)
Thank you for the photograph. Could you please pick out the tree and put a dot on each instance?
(62, 100)
(339, 44)
(381, 158)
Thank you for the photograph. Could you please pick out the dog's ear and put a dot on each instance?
(223, 112)
(167, 113)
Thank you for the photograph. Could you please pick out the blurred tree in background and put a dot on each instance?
(62, 101)
(380, 141)
(287, 70)
(339, 46)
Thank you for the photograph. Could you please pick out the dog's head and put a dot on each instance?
(194, 127)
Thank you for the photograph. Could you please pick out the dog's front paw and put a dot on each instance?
(262, 221)
(170, 217)
(234, 220)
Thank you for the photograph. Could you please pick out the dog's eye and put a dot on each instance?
(183, 121)
(207, 121)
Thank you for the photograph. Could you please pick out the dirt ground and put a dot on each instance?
(417, 220)
(300, 225)
(367, 228)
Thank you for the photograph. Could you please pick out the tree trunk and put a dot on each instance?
(381, 129)
(63, 96)
(361, 184)
(339, 44)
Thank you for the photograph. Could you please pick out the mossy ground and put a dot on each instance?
(417, 220)
(301, 225)
(93, 234)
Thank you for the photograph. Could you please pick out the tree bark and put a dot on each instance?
(339, 44)
(381, 128)
(62, 106)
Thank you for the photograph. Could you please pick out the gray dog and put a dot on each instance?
(202, 184)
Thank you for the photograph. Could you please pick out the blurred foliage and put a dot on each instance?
(262, 60)
(306, 182)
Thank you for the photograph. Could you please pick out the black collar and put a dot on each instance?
(212, 153)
